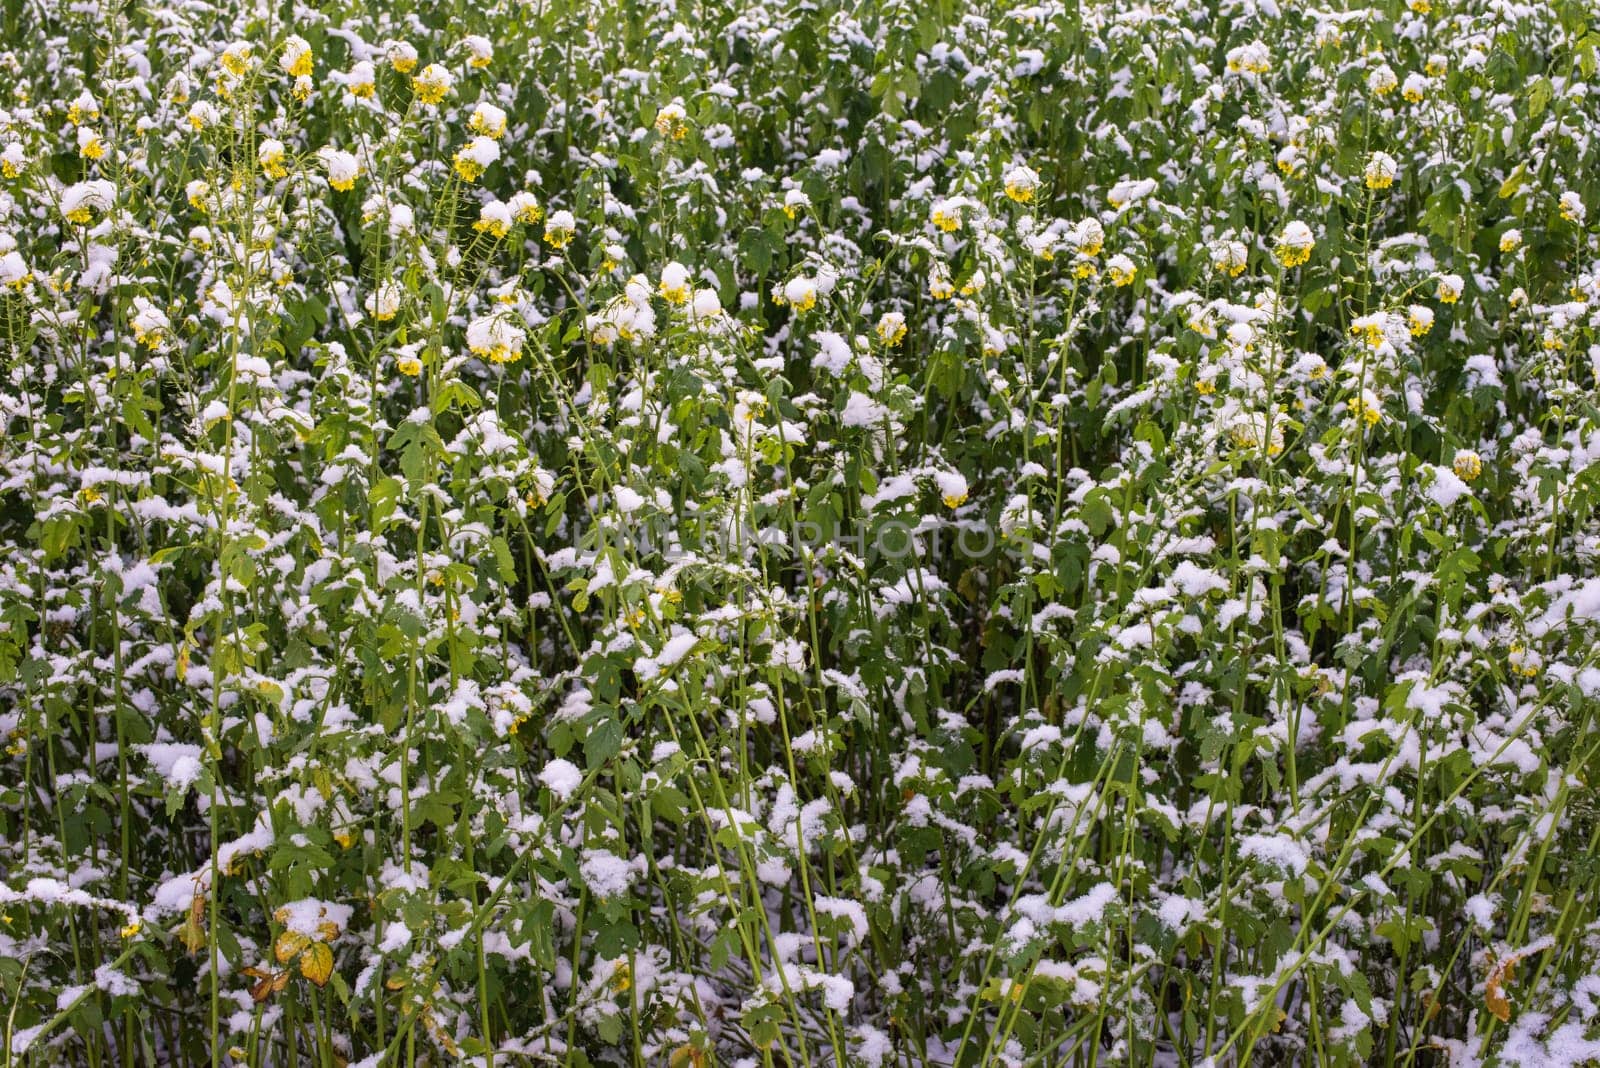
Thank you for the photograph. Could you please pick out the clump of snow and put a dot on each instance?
(562, 778)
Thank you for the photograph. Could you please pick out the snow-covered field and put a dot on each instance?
(833, 533)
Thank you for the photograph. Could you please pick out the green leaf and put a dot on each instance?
(1096, 511)
(603, 742)
(502, 560)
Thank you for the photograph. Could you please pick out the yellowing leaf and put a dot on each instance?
(687, 1056)
(288, 945)
(270, 982)
(1514, 182)
(1497, 1003)
(1493, 997)
(193, 931)
(316, 963)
